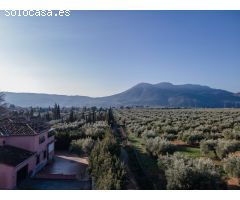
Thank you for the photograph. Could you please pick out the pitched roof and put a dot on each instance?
(13, 156)
(10, 127)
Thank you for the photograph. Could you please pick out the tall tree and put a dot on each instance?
(2, 106)
(71, 116)
(58, 112)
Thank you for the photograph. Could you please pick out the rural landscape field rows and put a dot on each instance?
(186, 148)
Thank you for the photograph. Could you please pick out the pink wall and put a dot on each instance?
(30, 143)
(8, 174)
(6, 177)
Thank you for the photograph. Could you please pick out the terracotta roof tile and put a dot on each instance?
(13, 156)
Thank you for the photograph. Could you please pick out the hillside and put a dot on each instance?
(143, 94)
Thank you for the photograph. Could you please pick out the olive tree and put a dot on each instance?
(208, 146)
(185, 173)
(224, 147)
(220, 148)
(82, 146)
(158, 146)
(232, 166)
(193, 138)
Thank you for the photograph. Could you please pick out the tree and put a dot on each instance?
(185, 173)
(225, 147)
(63, 140)
(193, 138)
(232, 166)
(71, 116)
(56, 112)
(208, 146)
(104, 165)
(3, 108)
(82, 146)
(47, 116)
(157, 146)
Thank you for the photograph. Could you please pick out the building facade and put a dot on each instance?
(25, 148)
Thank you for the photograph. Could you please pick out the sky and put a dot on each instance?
(99, 53)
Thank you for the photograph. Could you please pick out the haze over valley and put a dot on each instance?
(143, 94)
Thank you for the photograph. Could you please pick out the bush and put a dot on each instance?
(149, 134)
(192, 138)
(184, 173)
(224, 147)
(63, 140)
(208, 146)
(232, 166)
(230, 134)
(95, 133)
(170, 137)
(157, 146)
(82, 146)
(220, 148)
(107, 170)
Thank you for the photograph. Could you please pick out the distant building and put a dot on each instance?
(25, 148)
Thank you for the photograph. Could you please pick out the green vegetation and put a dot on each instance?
(232, 166)
(68, 132)
(201, 138)
(82, 146)
(189, 151)
(184, 173)
(158, 146)
(104, 165)
(146, 165)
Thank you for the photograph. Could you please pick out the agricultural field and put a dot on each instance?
(185, 148)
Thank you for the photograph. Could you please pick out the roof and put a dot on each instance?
(13, 156)
(9, 127)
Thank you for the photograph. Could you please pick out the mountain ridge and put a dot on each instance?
(163, 94)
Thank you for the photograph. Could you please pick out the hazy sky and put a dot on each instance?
(99, 53)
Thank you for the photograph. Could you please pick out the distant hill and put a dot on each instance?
(143, 94)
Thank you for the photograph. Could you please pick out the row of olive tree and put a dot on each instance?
(104, 165)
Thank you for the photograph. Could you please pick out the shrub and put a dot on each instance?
(94, 132)
(230, 134)
(63, 140)
(107, 170)
(232, 166)
(149, 134)
(170, 137)
(220, 148)
(157, 146)
(208, 146)
(192, 138)
(224, 147)
(82, 146)
(184, 173)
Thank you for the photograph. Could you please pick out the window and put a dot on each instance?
(38, 159)
(45, 154)
(41, 139)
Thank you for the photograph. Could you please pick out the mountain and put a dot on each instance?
(143, 94)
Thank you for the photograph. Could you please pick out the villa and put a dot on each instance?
(25, 148)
